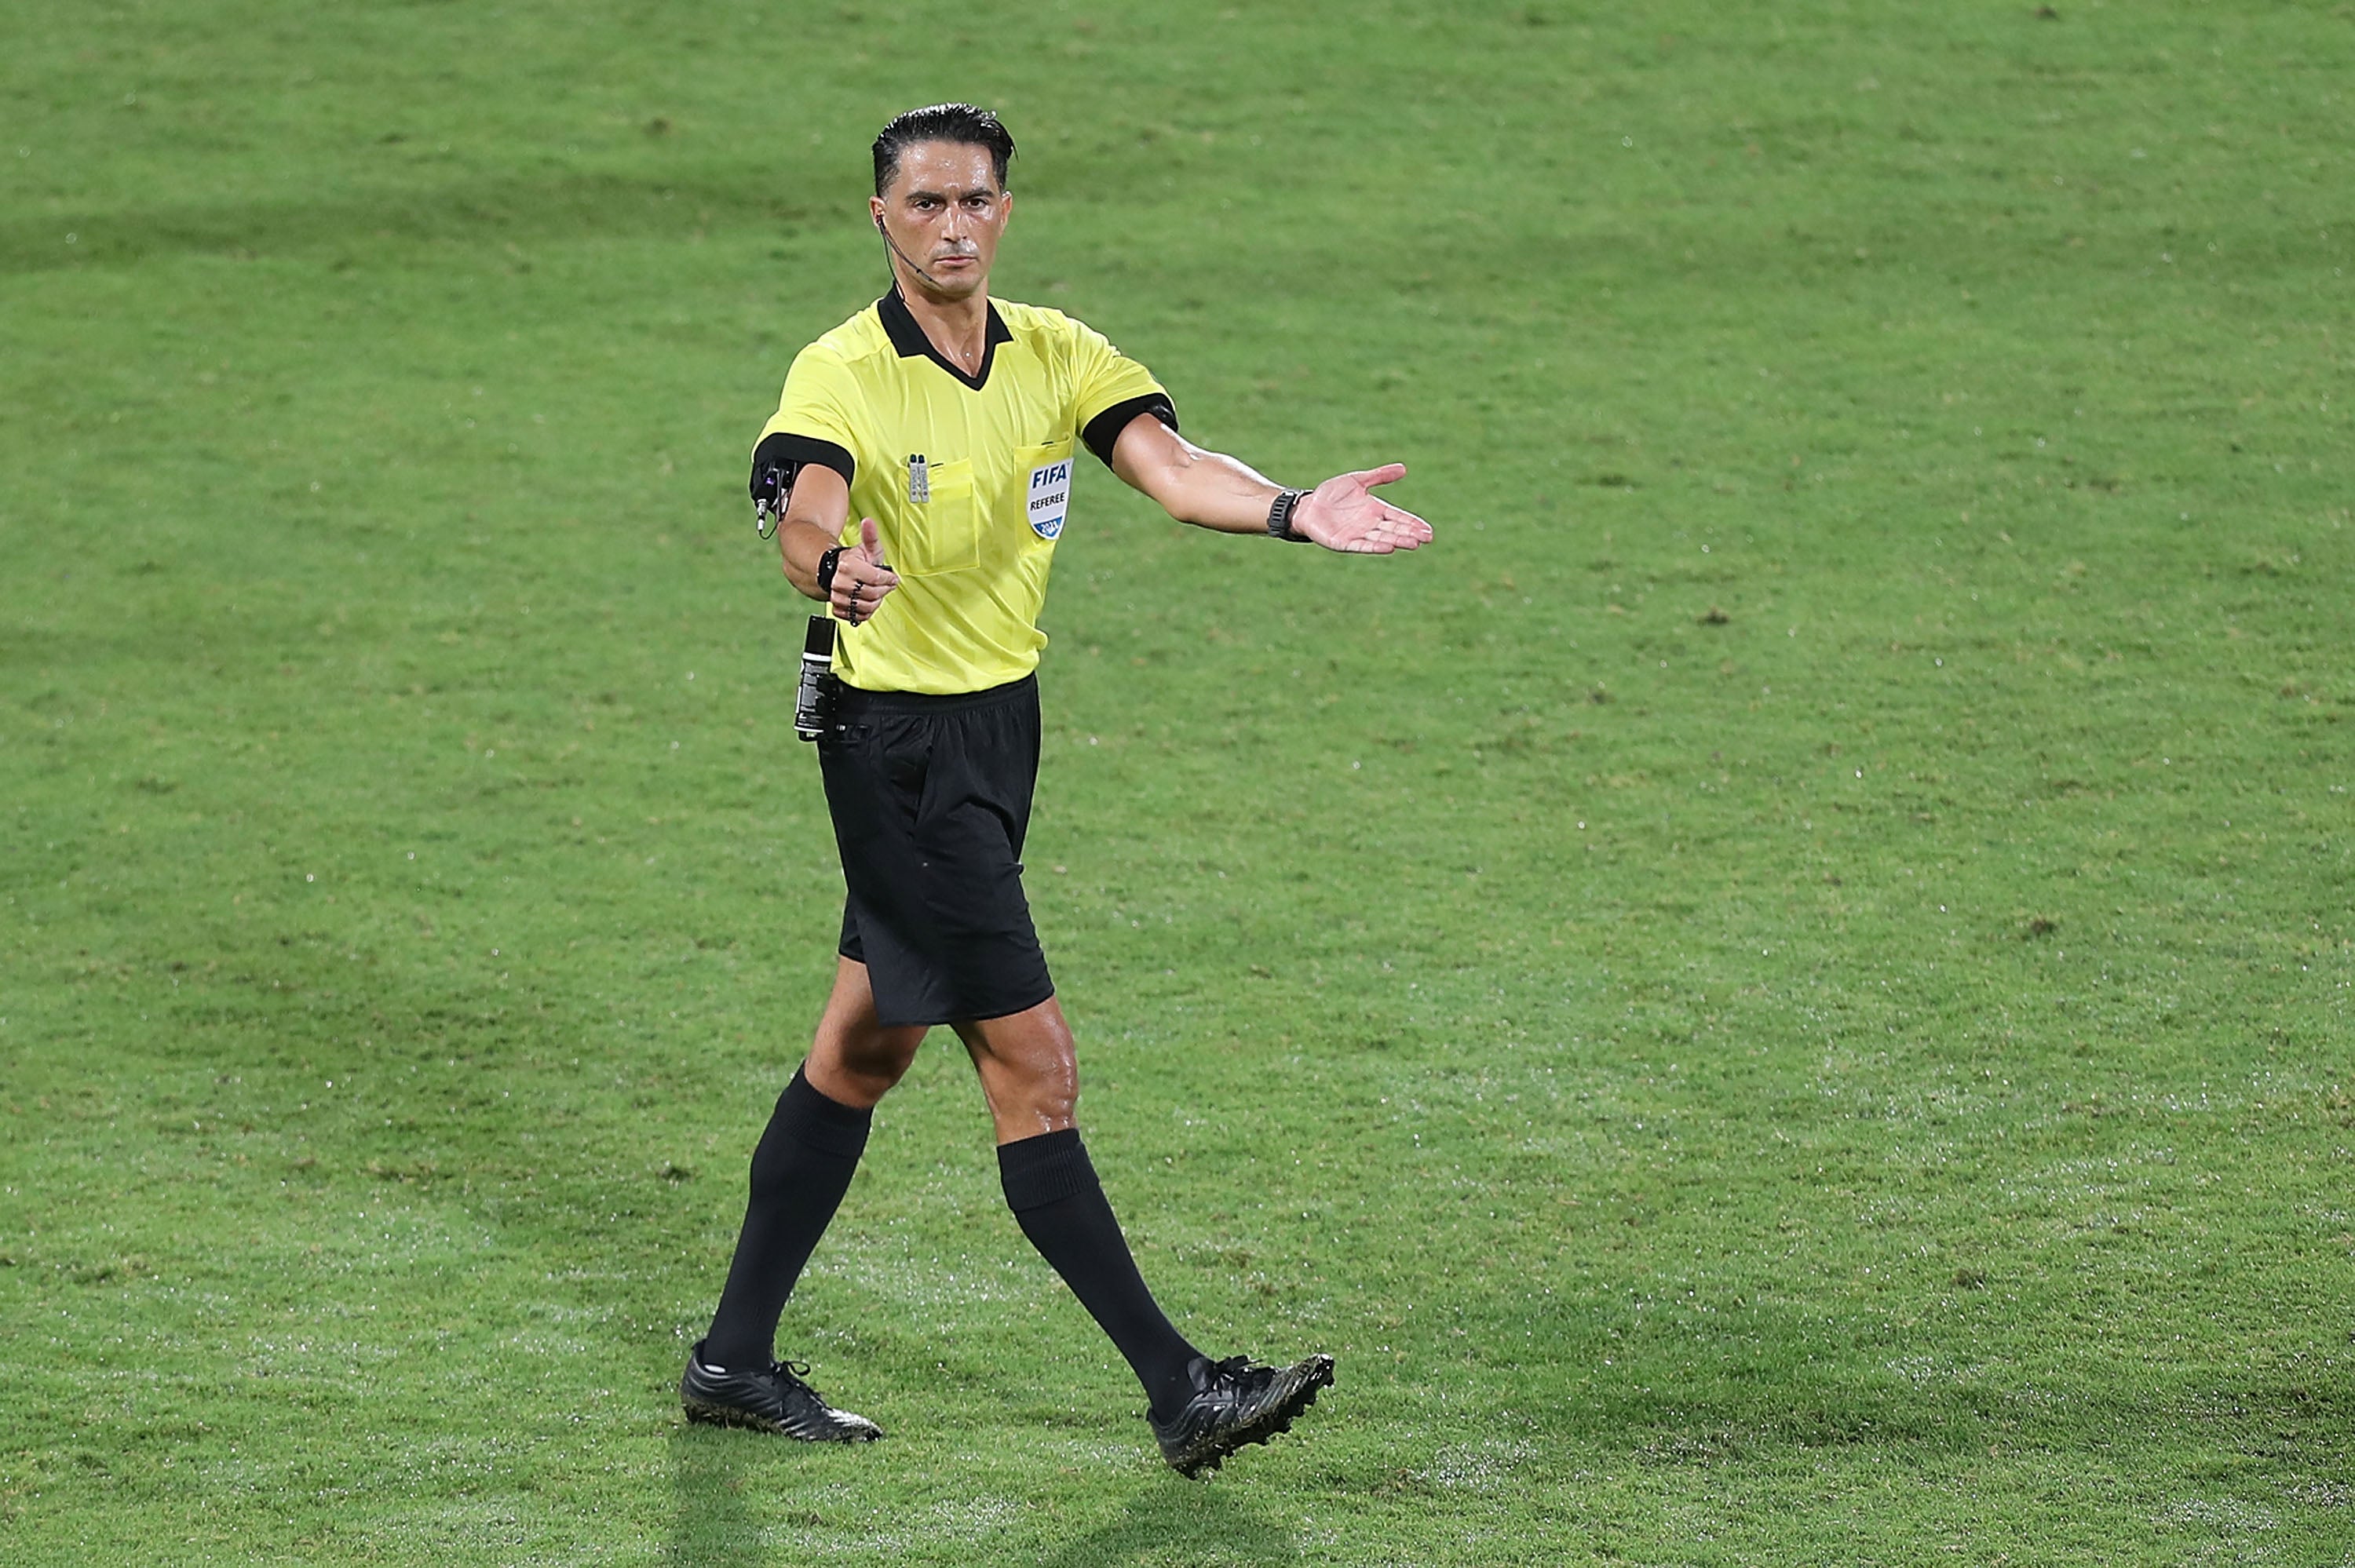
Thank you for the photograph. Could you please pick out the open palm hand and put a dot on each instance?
(1344, 513)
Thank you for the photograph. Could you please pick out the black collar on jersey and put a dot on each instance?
(909, 338)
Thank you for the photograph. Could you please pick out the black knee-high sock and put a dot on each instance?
(800, 1172)
(1053, 1192)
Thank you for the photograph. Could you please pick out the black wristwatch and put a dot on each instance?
(825, 564)
(1279, 516)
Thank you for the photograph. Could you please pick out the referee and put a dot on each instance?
(921, 457)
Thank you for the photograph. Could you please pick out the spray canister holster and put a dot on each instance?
(814, 699)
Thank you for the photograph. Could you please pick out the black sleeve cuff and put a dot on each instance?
(1104, 430)
(782, 450)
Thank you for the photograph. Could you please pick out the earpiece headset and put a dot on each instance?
(902, 255)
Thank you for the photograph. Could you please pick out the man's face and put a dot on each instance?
(944, 210)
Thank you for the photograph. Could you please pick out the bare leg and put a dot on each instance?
(855, 1060)
(1029, 1071)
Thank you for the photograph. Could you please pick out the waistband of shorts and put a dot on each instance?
(852, 701)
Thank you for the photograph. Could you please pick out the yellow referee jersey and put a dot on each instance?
(968, 477)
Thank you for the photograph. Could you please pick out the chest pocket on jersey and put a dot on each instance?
(1041, 492)
(943, 533)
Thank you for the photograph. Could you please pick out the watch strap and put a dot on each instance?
(1279, 516)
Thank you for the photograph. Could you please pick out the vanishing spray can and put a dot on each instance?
(817, 669)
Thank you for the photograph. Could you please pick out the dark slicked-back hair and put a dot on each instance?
(961, 122)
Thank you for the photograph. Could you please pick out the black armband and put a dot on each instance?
(779, 458)
(1103, 433)
(780, 452)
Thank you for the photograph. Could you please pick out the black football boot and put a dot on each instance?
(1236, 1402)
(773, 1399)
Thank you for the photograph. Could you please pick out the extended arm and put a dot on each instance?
(1212, 490)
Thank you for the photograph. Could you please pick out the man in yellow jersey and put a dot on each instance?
(921, 459)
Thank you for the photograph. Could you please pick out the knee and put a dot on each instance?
(858, 1067)
(872, 1074)
(1028, 1070)
(1047, 1089)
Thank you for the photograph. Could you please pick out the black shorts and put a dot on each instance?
(931, 798)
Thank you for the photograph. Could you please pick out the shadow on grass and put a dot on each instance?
(1181, 1522)
(1168, 1521)
(709, 1523)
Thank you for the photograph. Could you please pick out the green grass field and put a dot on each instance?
(1780, 996)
